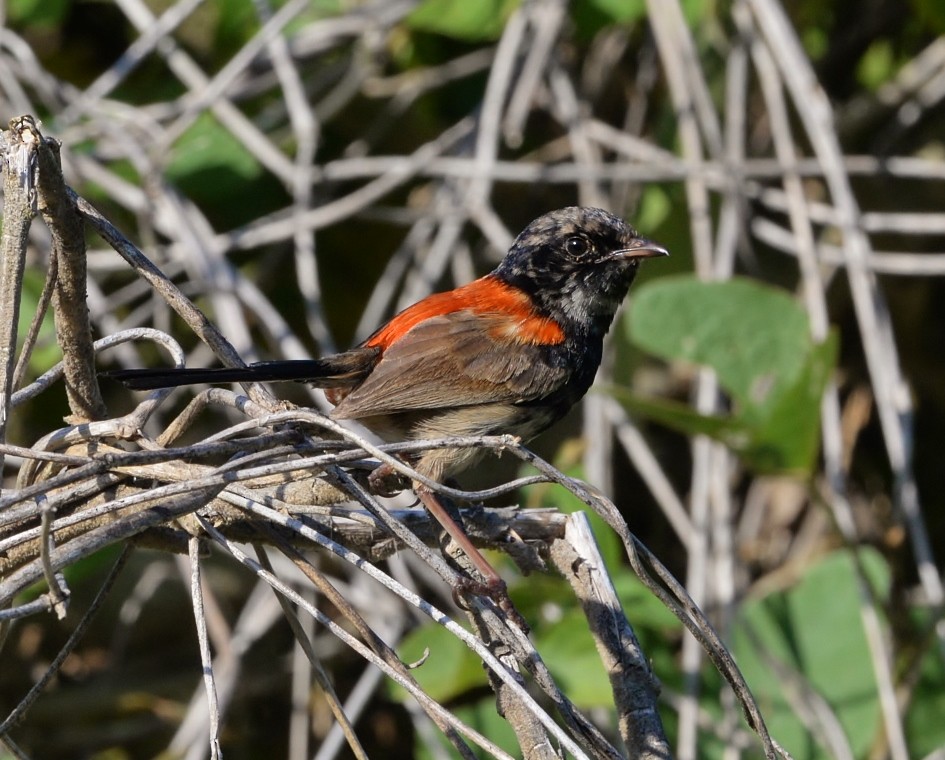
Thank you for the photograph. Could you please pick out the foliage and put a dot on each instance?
(220, 195)
(758, 342)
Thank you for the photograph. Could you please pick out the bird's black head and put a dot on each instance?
(577, 265)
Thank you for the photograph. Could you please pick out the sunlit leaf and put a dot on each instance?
(757, 340)
(463, 20)
(814, 630)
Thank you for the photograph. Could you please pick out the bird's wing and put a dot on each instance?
(458, 359)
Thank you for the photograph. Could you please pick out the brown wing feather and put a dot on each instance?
(454, 360)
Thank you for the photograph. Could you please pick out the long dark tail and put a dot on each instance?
(338, 371)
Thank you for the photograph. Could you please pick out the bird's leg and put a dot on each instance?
(384, 477)
(493, 582)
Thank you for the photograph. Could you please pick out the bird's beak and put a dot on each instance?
(641, 248)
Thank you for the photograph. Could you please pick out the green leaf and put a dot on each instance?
(558, 497)
(925, 728)
(814, 630)
(757, 340)
(461, 19)
(617, 11)
(449, 670)
(208, 148)
(40, 13)
(570, 653)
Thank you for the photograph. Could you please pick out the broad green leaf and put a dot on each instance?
(569, 651)
(450, 670)
(683, 418)
(757, 340)
(925, 728)
(617, 11)
(814, 631)
(41, 13)
(208, 147)
(877, 66)
(750, 334)
(788, 438)
(461, 19)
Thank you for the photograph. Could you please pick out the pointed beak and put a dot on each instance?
(641, 248)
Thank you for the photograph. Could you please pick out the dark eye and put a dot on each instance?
(576, 246)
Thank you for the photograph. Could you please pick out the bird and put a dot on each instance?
(509, 353)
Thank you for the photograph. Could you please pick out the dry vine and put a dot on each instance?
(275, 480)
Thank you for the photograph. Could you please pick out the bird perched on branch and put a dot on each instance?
(509, 353)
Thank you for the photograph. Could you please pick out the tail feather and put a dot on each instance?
(339, 371)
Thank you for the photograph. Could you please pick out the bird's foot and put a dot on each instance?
(493, 588)
(384, 480)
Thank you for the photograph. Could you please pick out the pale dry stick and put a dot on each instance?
(418, 81)
(723, 562)
(421, 279)
(32, 333)
(183, 306)
(648, 467)
(566, 105)
(12, 92)
(214, 90)
(640, 95)
(44, 381)
(362, 650)
(345, 606)
(70, 307)
(731, 229)
(18, 161)
(455, 578)
(471, 641)
(697, 565)
(16, 715)
(808, 705)
(327, 33)
(194, 234)
(896, 264)
(51, 90)
(302, 720)
(306, 130)
(928, 96)
(893, 402)
(568, 109)
(13, 748)
(365, 688)
(110, 532)
(501, 75)
(258, 615)
(656, 166)
(152, 37)
(546, 19)
(900, 222)
(670, 34)
(528, 655)
(385, 291)
(667, 589)
(275, 228)
(111, 467)
(190, 74)
(206, 659)
(271, 321)
(58, 590)
(815, 301)
(634, 686)
(315, 667)
(907, 81)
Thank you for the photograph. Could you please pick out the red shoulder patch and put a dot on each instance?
(488, 296)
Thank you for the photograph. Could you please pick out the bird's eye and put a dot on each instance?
(576, 246)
